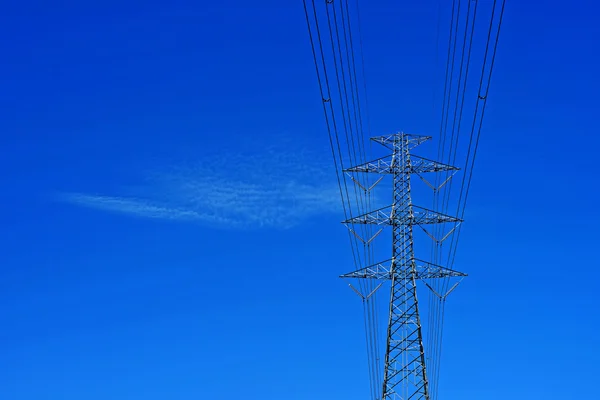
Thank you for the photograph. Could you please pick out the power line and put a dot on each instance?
(483, 99)
(326, 99)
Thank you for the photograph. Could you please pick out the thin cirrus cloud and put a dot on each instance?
(271, 190)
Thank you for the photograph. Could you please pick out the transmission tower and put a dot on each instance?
(405, 374)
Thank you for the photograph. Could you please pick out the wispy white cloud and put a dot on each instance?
(271, 189)
(135, 207)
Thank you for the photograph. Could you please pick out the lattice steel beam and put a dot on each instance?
(412, 141)
(402, 216)
(385, 165)
(423, 270)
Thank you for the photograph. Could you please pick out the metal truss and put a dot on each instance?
(423, 270)
(390, 141)
(405, 374)
(385, 165)
(391, 215)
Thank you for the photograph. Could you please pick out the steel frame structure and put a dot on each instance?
(405, 373)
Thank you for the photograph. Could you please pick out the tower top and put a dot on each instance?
(390, 140)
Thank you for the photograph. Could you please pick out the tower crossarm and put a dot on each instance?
(423, 270)
(421, 165)
(392, 140)
(382, 216)
(385, 165)
(425, 216)
(389, 216)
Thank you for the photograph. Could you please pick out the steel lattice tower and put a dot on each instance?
(405, 373)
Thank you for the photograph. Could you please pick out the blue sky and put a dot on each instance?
(171, 229)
